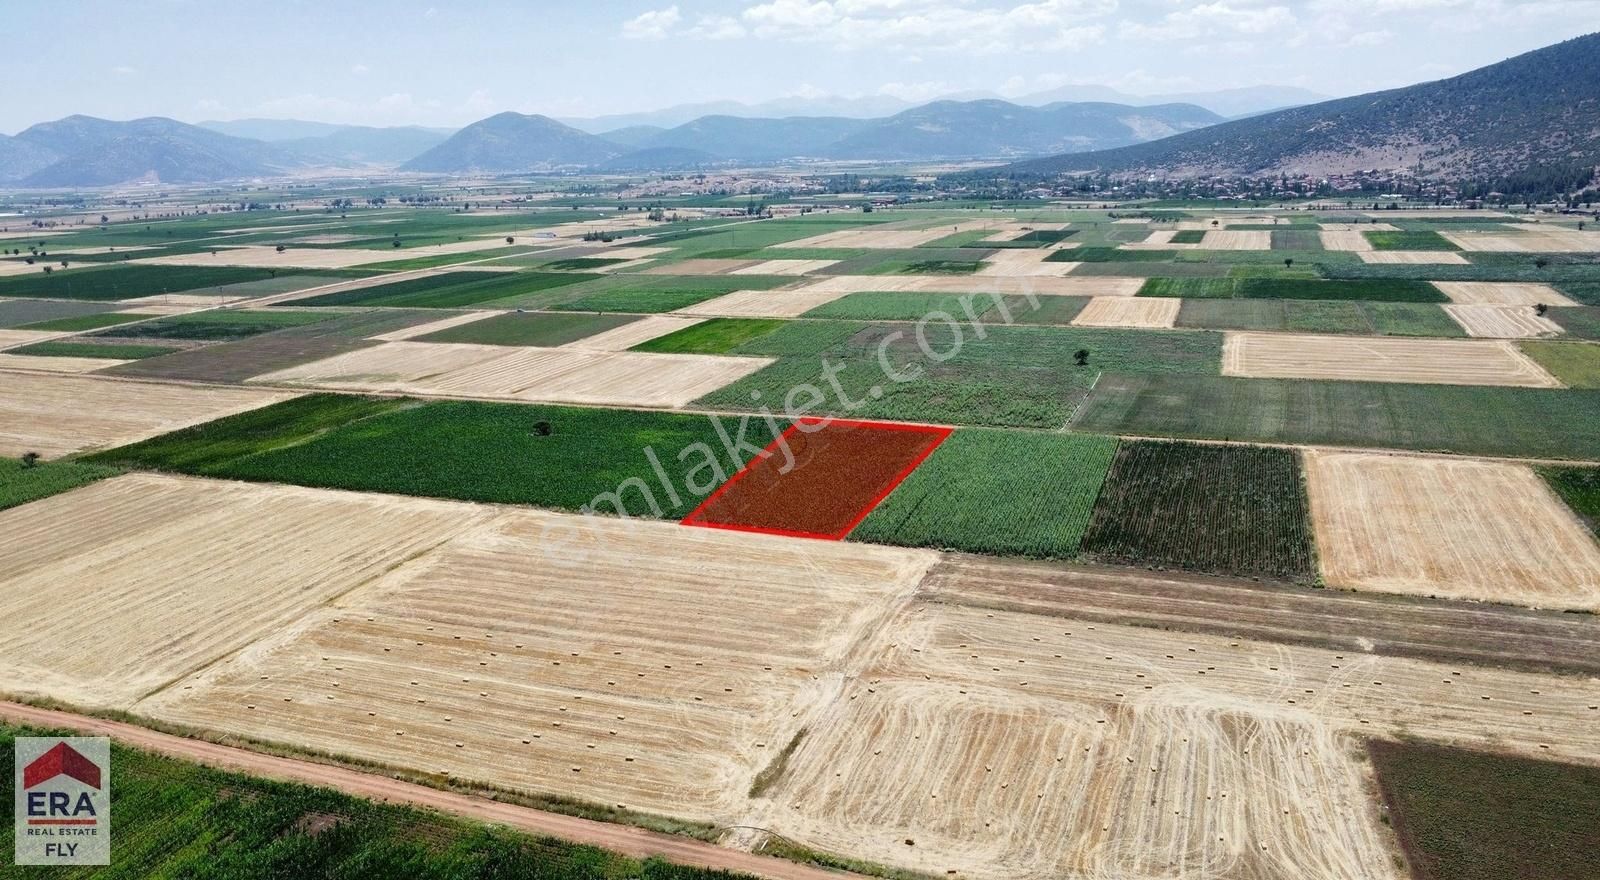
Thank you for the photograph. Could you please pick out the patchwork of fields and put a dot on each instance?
(707, 520)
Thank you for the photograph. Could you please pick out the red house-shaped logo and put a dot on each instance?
(62, 759)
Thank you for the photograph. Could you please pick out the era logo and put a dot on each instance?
(62, 801)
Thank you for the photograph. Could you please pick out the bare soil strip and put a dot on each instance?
(1414, 258)
(1528, 241)
(1123, 311)
(1502, 322)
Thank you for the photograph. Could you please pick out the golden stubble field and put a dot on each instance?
(1381, 359)
(664, 669)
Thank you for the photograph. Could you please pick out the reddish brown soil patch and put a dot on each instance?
(834, 473)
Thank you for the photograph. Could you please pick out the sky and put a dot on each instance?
(443, 64)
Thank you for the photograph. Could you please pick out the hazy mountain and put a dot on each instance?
(671, 117)
(514, 142)
(18, 158)
(1228, 103)
(662, 159)
(270, 130)
(1535, 109)
(634, 135)
(760, 140)
(100, 152)
(978, 129)
(361, 145)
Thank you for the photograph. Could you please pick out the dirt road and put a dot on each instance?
(630, 841)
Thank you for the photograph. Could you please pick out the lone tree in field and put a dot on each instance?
(1081, 357)
(30, 459)
(1541, 262)
(510, 240)
(1540, 308)
(1214, 223)
(281, 248)
(1288, 262)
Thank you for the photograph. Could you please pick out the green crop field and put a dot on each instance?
(1580, 488)
(1576, 364)
(1015, 376)
(1586, 292)
(70, 348)
(1191, 288)
(180, 819)
(130, 282)
(1410, 241)
(1582, 322)
(78, 323)
(715, 336)
(25, 312)
(1233, 510)
(1374, 290)
(1294, 239)
(448, 289)
(1410, 319)
(1005, 492)
(1462, 815)
(460, 450)
(20, 483)
(577, 264)
(544, 329)
(1088, 254)
(216, 325)
(939, 267)
(1529, 422)
(903, 306)
(1188, 236)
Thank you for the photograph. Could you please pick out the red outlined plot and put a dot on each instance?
(834, 472)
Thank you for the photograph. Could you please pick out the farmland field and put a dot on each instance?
(529, 328)
(448, 289)
(460, 450)
(1444, 361)
(1410, 241)
(818, 479)
(93, 321)
(1576, 364)
(27, 312)
(89, 349)
(988, 491)
(21, 483)
(1234, 510)
(1480, 530)
(182, 819)
(715, 336)
(216, 325)
(1480, 420)
(1465, 815)
(1015, 376)
(132, 282)
(1376, 290)
(1579, 487)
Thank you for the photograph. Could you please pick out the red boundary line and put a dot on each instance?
(894, 483)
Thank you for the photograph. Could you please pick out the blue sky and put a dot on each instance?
(435, 63)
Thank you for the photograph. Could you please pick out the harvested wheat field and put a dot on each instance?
(52, 364)
(1414, 258)
(699, 267)
(1234, 240)
(1462, 529)
(878, 238)
(1528, 241)
(1502, 322)
(267, 257)
(1003, 745)
(1126, 311)
(58, 415)
(163, 575)
(405, 333)
(1015, 262)
(497, 372)
(1358, 227)
(764, 303)
(19, 338)
(1498, 293)
(1381, 359)
(1345, 240)
(631, 334)
(784, 267)
(621, 662)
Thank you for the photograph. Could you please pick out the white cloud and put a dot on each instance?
(716, 27)
(1219, 18)
(915, 93)
(124, 70)
(653, 25)
(360, 69)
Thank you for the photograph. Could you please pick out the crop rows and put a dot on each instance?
(1235, 510)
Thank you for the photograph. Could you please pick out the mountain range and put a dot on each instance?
(1538, 109)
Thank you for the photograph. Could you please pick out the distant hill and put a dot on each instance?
(514, 142)
(1533, 110)
(662, 159)
(101, 152)
(1228, 103)
(868, 107)
(980, 129)
(18, 158)
(636, 136)
(361, 145)
(760, 140)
